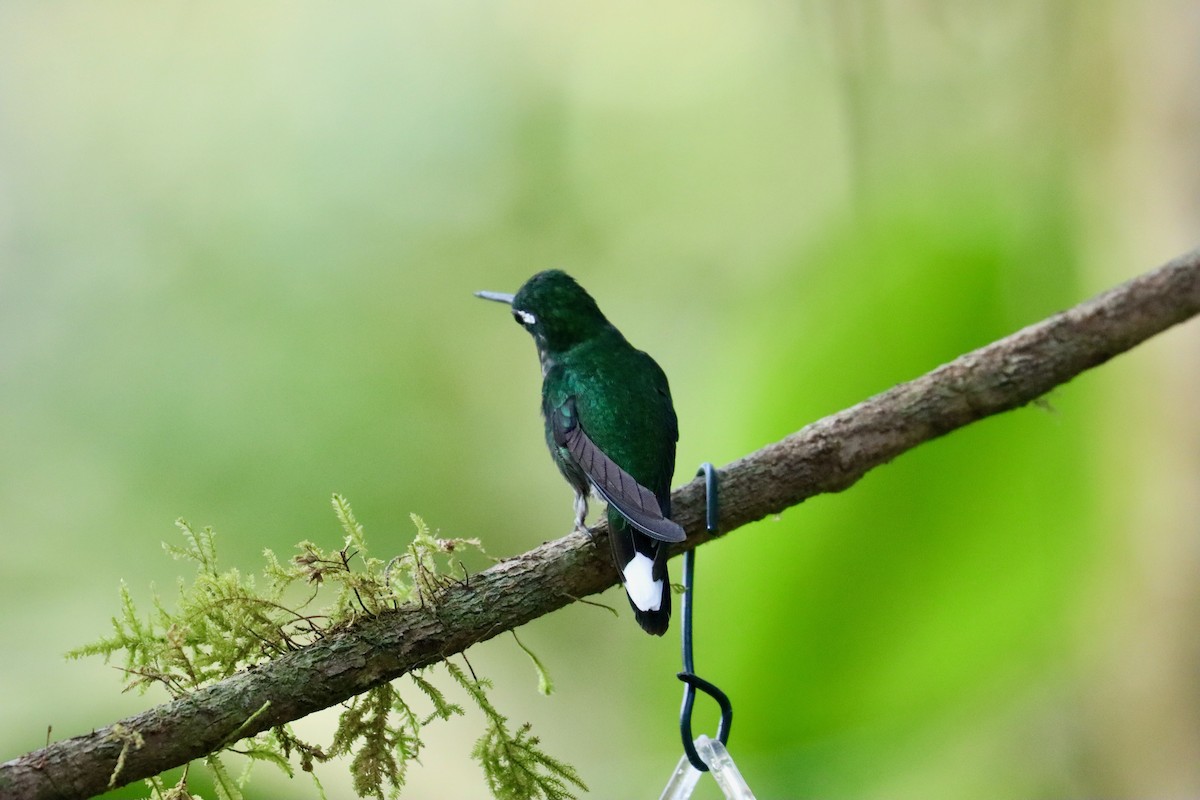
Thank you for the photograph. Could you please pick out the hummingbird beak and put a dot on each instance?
(499, 297)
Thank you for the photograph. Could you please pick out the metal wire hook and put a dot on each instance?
(691, 680)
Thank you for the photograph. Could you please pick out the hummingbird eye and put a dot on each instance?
(524, 317)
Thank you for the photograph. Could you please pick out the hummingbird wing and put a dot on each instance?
(619, 489)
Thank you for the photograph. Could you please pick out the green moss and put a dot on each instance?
(225, 622)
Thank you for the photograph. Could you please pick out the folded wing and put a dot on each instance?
(618, 488)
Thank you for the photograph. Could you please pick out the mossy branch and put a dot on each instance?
(826, 456)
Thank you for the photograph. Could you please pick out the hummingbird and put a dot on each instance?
(611, 429)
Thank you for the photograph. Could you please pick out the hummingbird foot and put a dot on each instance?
(590, 533)
(581, 510)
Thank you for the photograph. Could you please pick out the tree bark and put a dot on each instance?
(827, 456)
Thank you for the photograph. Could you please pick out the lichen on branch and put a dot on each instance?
(226, 622)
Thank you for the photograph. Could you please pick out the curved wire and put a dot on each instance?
(691, 680)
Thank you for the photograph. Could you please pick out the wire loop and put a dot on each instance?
(692, 681)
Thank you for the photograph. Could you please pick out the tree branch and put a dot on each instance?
(827, 456)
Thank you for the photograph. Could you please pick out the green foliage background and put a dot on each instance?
(237, 250)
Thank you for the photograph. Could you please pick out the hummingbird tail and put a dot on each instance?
(642, 562)
(654, 622)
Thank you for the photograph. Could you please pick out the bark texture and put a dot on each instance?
(827, 456)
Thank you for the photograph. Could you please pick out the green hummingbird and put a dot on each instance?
(611, 428)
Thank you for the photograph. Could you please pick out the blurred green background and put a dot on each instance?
(237, 249)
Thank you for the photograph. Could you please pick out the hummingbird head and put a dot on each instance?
(556, 310)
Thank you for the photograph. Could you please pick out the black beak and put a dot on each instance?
(499, 297)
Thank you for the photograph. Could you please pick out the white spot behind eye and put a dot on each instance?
(525, 317)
